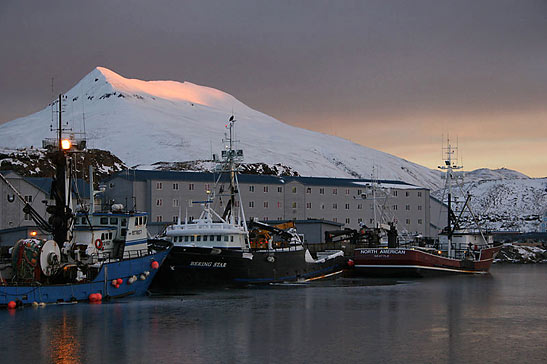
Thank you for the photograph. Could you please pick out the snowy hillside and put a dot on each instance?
(507, 204)
(493, 174)
(143, 122)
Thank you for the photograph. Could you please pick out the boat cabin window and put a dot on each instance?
(212, 238)
(114, 221)
(219, 238)
(198, 238)
(144, 220)
(124, 232)
(192, 238)
(185, 238)
(124, 222)
(104, 220)
(204, 237)
(225, 237)
(232, 238)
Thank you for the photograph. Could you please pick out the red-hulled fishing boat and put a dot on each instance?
(459, 250)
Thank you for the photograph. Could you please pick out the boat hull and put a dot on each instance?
(417, 263)
(72, 292)
(198, 267)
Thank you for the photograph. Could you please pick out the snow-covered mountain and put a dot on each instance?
(493, 174)
(506, 204)
(143, 122)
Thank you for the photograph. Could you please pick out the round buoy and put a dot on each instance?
(117, 285)
(142, 277)
(154, 265)
(12, 305)
(99, 297)
(351, 263)
(119, 281)
(92, 297)
(34, 304)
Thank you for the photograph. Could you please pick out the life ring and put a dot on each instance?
(99, 244)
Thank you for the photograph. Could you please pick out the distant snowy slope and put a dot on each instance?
(493, 174)
(508, 204)
(143, 122)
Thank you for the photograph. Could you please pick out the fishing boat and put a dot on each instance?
(460, 250)
(93, 255)
(222, 249)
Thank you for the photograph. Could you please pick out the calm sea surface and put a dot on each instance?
(499, 318)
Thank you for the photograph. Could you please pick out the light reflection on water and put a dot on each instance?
(499, 318)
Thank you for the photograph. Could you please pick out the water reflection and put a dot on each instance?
(459, 319)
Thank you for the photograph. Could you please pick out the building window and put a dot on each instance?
(394, 207)
(419, 207)
(265, 204)
(347, 206)
(207, 187)
(175, 203)
(359, 220)
(335, 206)
(190, 186)
(322, 206)
(321, 191)
(394, 193)
(175, 218)
(407, 193)
(419, 194)
(420, 221)
(407, 207)
(159, 218)
(175, 186)
(294, 189)
(278, 205)
(280, 189)
(265, 218)
(347, 220)
(335, 191)
(335, 219)
(294, 205)
(359, 192)
(265, 189)
(28, 198)
(159, 185)
(347, 191)
(308, 205)
(251, 204)
(308, 190)
(27, 216)
(359, 206)
(159, 202)
(251, 188)
(372, 221)
(408, 221)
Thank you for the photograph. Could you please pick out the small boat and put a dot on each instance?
(221, 249)
(92, 255)
(459, 250)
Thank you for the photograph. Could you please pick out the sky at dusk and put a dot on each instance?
(391, 75)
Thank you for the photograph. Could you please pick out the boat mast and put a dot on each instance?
(449, 166)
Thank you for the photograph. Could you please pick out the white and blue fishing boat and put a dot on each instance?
(93, 255)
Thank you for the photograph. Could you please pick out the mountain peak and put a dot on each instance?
(104, 80)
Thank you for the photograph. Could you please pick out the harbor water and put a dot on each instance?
(501, 317)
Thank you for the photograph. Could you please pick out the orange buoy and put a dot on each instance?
(351, 263)
(92, 297)
(99, 297)
(12, 304)
(155, 265)
(119, 281)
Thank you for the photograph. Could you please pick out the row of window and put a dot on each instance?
(191, 187)
(179, 239)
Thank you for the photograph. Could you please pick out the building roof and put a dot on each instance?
(44, 184)
(144, 175)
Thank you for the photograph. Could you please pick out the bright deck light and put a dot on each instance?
(65, 144)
